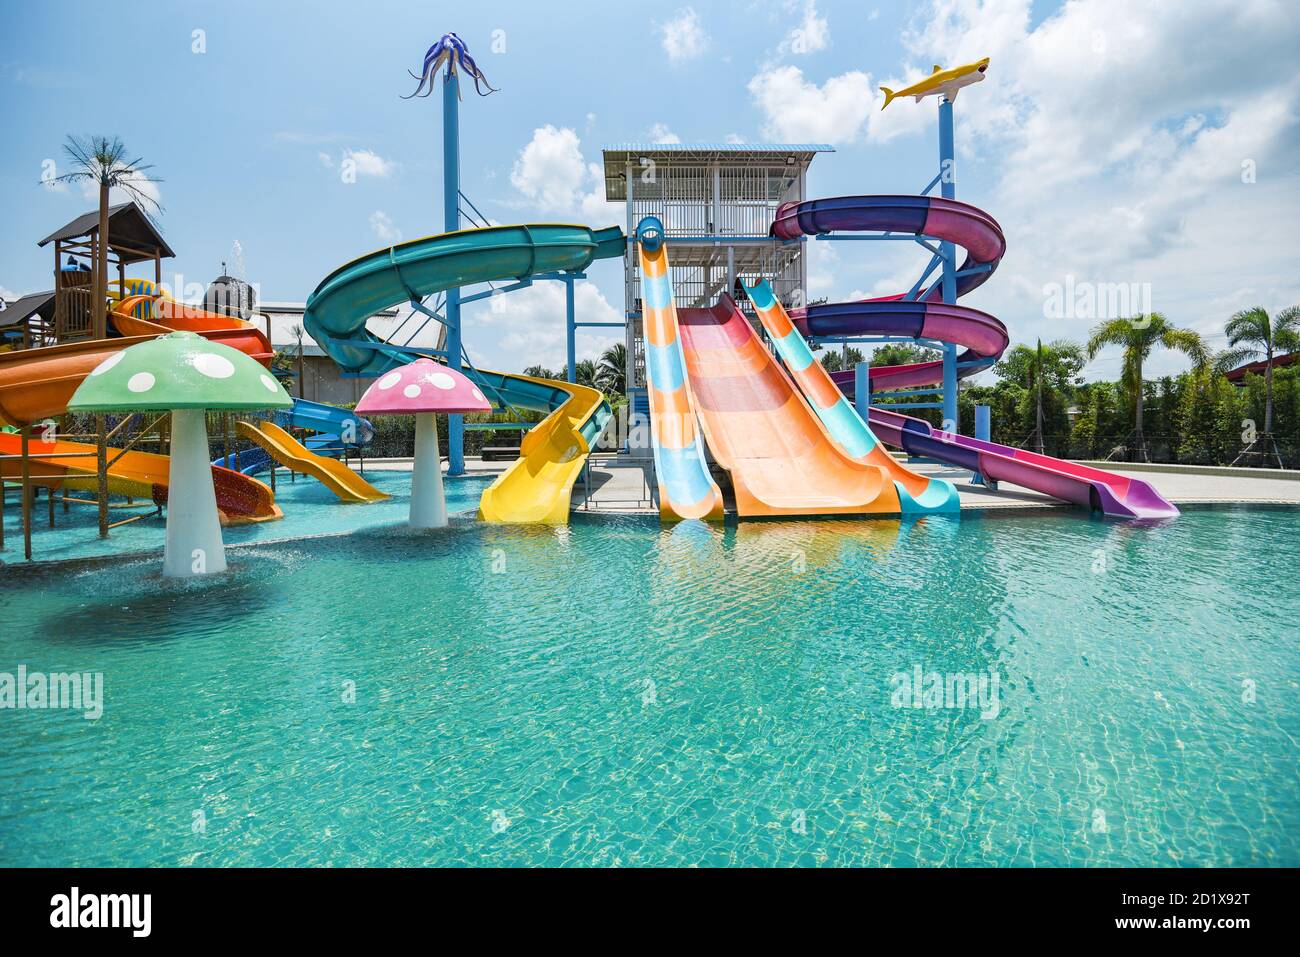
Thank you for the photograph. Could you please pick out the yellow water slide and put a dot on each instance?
(538, 486)
(292, 454)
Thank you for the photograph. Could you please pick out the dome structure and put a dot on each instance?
(229, 296)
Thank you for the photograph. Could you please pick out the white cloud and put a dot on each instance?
(550, 169)
(140, 182)
(369, 163)
(684, 37)
(7, 295)
(551, 173)
(526, 327)
(1116, 134)
(796, 110)
(660, 133)
(812, 34)
(385, 231)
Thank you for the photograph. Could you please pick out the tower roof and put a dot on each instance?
(618, 155)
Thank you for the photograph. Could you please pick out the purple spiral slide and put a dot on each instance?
(982, 337)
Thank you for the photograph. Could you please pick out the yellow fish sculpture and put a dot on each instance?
(941, 82)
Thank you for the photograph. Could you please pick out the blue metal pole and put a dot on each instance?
(862, 388)
(948, 187)
(451, 223)
(571, 330)
(983, 432)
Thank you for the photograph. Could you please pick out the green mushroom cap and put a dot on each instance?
(181, 370)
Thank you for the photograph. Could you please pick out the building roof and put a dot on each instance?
(618, 155)
(1238, 375)
(130, 233)
(765, 149)
(18, 312)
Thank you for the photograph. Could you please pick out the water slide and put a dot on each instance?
(917, 494)
(538, 486)
(289, 452)
(781, 458)
(686, 489)
(982, 337)
(143, 475)
(36, 384)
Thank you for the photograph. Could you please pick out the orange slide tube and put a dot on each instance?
(759, 428)
(36, 384)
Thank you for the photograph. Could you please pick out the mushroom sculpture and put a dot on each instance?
(185, 374)
(423, 388)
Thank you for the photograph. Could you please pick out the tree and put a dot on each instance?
(611, 373)
(1056, 365)
(1252, 334)
(302, 378)
(585, 373)
(1137, 337)
(901, 354)
(102, 161)
(835, 361)
(1061, 363)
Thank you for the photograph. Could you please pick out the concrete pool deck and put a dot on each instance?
(622, 484)
(619, 485)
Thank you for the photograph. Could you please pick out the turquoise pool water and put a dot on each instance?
(617, 693)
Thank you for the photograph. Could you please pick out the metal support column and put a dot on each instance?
(570, 330)
(862, 388)
(948, 187)
(451, 223)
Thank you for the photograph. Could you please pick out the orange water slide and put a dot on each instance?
(241, 500)
(781, 459)
(36, 384)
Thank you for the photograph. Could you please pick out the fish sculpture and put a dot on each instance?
(941, 82)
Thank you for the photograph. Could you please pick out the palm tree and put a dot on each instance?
(1058, 363)
(584, 373)
(1137, 337)
(1252, 334)
(612, 371)
(102, 161)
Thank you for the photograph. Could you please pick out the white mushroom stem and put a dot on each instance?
(428, 504)
(194, 545)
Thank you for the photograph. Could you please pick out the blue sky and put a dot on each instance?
(1111, 139)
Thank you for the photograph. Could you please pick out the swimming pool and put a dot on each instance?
(619, 693)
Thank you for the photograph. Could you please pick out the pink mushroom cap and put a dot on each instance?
(422, 386)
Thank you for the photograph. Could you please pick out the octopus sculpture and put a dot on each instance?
(451, 50)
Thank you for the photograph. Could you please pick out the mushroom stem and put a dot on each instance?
(194, 545)
(428, 505)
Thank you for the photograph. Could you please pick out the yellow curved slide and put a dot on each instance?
(538, 486)
(292, 454)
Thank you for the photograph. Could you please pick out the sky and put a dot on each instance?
(1150, 143)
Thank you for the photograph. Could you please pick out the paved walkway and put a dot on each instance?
(620, 485)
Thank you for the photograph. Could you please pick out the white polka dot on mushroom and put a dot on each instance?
(271, 384)
(140, 382)
(214, 366)
(108, 363)
(442, 380)
(388, 381)
(478, 395)
(411, 392)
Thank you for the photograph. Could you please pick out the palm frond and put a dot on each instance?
(1249, 325)
(1229, 359)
